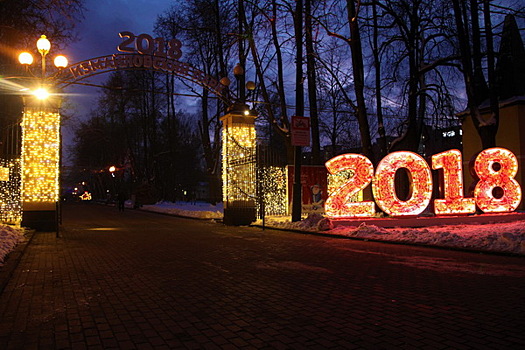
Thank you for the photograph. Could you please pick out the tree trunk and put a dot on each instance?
(299, 109)
(280, 70)
(475, 91)
(359, 80)
(493, 93)
(311, 71)
(281, 125)
(377, 67)
(205, 134)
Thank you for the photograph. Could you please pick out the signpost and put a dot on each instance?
(300, 131)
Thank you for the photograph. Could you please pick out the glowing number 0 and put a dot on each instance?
(492, 177)
(421, 187)
(338, 205)
(453, 201)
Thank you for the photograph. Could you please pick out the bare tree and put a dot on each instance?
(311, 71)
(475, 84)
(337, 116)
(355, 44)
(204, 28)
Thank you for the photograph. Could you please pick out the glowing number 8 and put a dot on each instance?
(493, 177)
(338, 203)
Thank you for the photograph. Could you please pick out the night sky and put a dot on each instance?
(98, 36)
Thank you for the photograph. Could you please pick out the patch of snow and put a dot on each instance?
(505, 237)
(199, 210)
(9, 238)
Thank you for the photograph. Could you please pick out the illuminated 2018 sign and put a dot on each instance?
(146, 45)
(496, 189)
(144, 52)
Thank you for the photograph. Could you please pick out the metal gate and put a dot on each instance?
(271, 182)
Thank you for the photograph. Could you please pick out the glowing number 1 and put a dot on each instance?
(452, 191)
(338, 205)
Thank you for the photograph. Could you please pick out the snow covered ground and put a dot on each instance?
(198, 210)
(507, 237)
(9, 237)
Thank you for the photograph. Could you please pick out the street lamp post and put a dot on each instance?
(43, 46)
(239, 157)
(41, 140)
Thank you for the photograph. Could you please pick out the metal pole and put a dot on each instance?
(43, 68)
(299, 100)
(297, 186)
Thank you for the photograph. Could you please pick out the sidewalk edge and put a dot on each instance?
(12, 260)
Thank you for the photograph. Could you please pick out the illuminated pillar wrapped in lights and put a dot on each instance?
(238, 166)
(10, 203)
(40, 166)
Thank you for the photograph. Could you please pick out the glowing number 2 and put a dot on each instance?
(337, 204)
(384, 190)
(496, 169)
(452, 191)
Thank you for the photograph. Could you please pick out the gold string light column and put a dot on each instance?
(40, 158)
(238, 165)
(40, 164)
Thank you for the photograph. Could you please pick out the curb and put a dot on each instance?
(13, 259)
(413, 244)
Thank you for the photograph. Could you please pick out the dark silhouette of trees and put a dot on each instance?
(376, 74)
(130, 130)
(205, 27)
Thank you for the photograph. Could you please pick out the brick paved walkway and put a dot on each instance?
(138, 280)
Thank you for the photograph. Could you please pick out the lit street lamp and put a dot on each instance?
(40, 159)
(25, 58)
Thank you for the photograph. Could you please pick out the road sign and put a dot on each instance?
(300, 131)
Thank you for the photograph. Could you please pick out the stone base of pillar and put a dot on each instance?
(239, 216)
(40, 220)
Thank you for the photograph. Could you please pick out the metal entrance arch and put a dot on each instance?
(103, 64)
(40, 210)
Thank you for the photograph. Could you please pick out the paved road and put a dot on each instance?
(137, 280)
